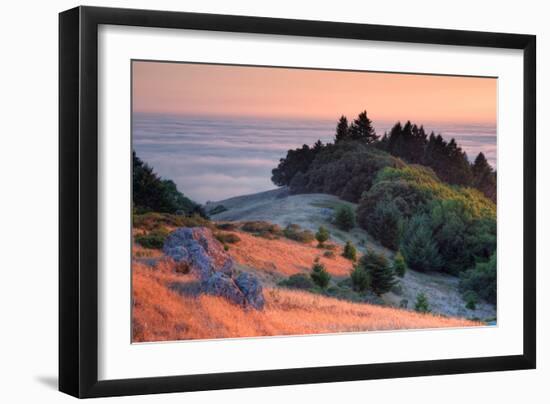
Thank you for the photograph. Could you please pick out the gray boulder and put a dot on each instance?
(205, 256)
(252, 289)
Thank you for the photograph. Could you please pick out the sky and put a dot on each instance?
(219, 130)
(262, 92)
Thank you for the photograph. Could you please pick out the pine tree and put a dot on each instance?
(380, 274)
(342, 130)
(422, 305)
(319, 274)
(418, 247)
(362, 129)
(484, 178)
(399, 266)
(350, 252)
(359, 278)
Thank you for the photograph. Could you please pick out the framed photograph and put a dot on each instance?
(251, 201)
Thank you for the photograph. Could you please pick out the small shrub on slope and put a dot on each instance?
(319, 275)
(350, 252)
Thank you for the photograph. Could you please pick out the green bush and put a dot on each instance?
(154, 221)
(319, 274)
(322, 235)
(262, 229)
(399, 266)
(298, 281)
(482, 280)
(350, 252)
(344, 217)
(227, 238)
(229, 226)
(296, 233)
(422, 305)
(380, 274)
(359, 278)
(470, 297)
(329, 254)
(153, 240)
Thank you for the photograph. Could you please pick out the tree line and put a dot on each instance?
(151, 193)
(408, 142)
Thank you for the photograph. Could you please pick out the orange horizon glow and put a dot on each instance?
(267, 92)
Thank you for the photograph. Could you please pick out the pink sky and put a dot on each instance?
(195, 89)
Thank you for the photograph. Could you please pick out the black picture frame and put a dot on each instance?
(78, 201)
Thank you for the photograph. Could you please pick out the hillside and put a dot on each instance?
(167, 307)
(283, 257)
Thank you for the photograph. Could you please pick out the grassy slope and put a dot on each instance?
(312, 210)
(160, 313)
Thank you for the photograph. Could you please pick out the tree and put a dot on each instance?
(151, 193)
(362, 129)
(418, 247)
(422, 305)
(350, 252)
(380, 274)
(322, 235)
(296, 161)
(345, 217)
(359, 278)
(484, 177)
(399, 266)
(342, 130)
(319, 274)
(385, 223)
(482, 279)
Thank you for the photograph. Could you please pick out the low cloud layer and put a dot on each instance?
(217, 158)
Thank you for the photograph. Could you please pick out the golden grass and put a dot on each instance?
(160, 314)
(285, 257)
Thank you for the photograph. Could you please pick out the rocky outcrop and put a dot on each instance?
(205, 256)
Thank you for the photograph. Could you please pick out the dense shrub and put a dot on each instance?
(262, 229)
(155, 220)
(298, 281)
(322, 235)
(346, 169)
(344, 217)
(227, 238)
(154, 239)
(380, 274)
(470, 297)
(329, 254)
(422, 305)
(319, 275)
(399, 266)
(296, 233)
(482, 279)
(229, 226)
(350, 252)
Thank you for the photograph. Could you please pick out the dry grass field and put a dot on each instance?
(285, 257)
(162, 311)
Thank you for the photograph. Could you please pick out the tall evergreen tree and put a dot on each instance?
(418, 247)
(484, 178)
(362, 129)
(342, 130)
(380, 274)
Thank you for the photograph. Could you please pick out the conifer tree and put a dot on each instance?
(342, 130)
(380, 274)
(362, 129)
